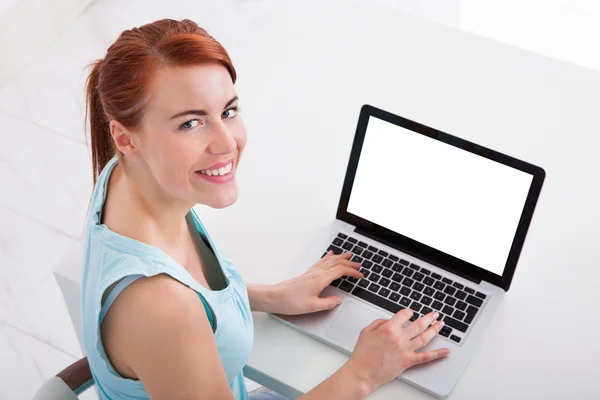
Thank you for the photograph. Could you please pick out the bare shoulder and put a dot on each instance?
(150, 313)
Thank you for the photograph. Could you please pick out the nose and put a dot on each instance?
(222, 141)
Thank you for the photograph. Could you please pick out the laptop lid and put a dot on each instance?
(460, 206)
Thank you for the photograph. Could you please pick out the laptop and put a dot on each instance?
(437, 223)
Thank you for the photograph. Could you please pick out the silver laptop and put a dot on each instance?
(437, 223)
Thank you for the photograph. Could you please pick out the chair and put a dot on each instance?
(68, 383)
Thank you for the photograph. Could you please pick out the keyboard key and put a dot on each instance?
(469, 318)
(418, 277)
(460, 295)
(352, 279)
(397, 277)
(394, 297)
(426, 310)
(362, 244)
(415, 316)
(324, 254)
(338, 241)
(455, 338)
(405, 301)
(416, 306)
(367, 254)
(458, 315)
(384, 282)
(367, 264)
(373, 249)
(450, 300)
(387, 263)
(456, 324)
(336, 283)
(378, 301)
(438, 295)
(395, 287)
(448, 310)
(373, 287)
(342, 235)
(426, 300)
(472, 310)
(377, 268)
(384, 292)
(450, 290)
(335, 249)
(356, 259)
(429, 281)
(429, 291)
(383, 253)
(352, 240)
(458, 285)
(440, 316)
(461, 305)
(445, 331)
(425, 271)
(393, 257)
(439, 285)
(363, 283)
(405, 291)
(437, 305)
(373, 277)
(387, 273)
(365, 272)
(436, 276)
(347, 246)
(397, 267)
(408, 272)
(415, 296)
(404, 262)
(414, 266)
(480, 295)
(469, 290)
(377, 259)
(447, 281)
(357, 250)
(418, 286)
(474, 301)
(408, 282)
(346, 286)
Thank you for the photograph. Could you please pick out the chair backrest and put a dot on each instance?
(68, 383)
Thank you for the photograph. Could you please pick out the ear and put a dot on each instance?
(123, 138)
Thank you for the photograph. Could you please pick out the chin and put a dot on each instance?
(223, 201)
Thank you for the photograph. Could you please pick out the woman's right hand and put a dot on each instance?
(385, 349)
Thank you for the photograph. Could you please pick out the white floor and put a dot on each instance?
(45, 166)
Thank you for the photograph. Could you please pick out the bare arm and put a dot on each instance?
(158, 330)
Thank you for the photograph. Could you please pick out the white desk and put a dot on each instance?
(303, 77)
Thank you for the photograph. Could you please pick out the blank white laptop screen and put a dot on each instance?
(447, 198)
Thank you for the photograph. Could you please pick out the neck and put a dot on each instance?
(152, 215)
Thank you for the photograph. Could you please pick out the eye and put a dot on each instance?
(189, 124)
(235, 110)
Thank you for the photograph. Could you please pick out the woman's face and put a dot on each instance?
(192, 136)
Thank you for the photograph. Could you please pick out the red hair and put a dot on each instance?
(117, 86)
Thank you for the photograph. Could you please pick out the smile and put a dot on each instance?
(218, 172)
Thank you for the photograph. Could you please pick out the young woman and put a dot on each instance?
(166, 315)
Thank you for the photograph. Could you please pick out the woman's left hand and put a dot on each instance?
(300, 295)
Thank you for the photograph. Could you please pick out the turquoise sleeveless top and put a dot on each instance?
(111, 258)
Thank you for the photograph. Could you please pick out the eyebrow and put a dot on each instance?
(201, 112)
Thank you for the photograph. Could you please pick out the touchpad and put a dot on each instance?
(346, 328)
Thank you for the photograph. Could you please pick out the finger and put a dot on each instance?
(417, 327)
(340, 261)
(401, 317)
(375, 324)
(425, 337)
(341, 270)
(326, 303)
(427, 356)
(322, 260)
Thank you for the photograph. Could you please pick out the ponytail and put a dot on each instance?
(102, 144)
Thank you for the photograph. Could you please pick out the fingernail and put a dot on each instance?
(339, 300)
(441, 323)
(436, 314)
(448, 351)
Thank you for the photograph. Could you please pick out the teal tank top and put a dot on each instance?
(114, 260)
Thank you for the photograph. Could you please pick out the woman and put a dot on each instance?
(166, 315)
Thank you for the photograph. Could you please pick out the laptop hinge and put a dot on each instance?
(420, 257)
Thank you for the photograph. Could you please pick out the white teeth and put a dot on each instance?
(221, 171)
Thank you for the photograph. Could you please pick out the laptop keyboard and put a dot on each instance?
(393, 283)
